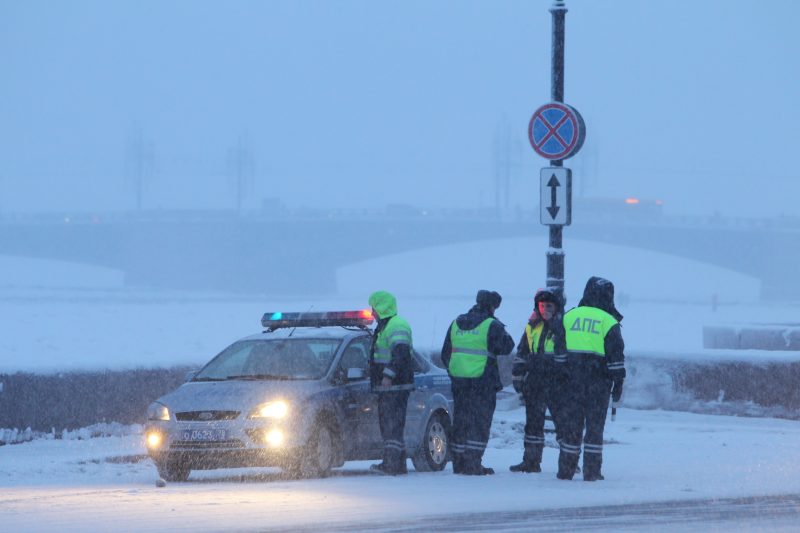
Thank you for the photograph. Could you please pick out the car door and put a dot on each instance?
(417, 402)
(360, 403)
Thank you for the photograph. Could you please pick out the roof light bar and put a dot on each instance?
(279, 319)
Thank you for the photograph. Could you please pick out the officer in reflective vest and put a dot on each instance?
(392, 377)
(538, 374)
(596, 364)
(469, 353)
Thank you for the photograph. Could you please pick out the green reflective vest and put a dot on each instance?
(396, 331)
(533, 335)
(470, 350)
(586, 329)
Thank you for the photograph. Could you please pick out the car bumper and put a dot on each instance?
(210, 459)
(208, 446)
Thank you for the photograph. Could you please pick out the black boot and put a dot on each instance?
(402, 466)
(567, 463)
(526, 466)
(382, 469)
(395, 462)
(591, 467)
(478, 470)
(458, 463)
(531, 459)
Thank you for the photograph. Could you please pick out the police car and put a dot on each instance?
(297, 396)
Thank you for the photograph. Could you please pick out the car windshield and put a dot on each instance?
(271, 360)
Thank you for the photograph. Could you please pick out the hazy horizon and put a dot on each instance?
(358, 103)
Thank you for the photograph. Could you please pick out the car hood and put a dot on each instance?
(236, 395)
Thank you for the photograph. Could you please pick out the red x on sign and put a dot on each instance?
(556, 131)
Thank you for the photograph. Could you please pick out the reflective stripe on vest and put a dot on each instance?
(397, 331)
(470, 350)
(586, 329)
(533, 339)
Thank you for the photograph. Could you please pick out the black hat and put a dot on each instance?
(599, 293)
(488, 299)
(549, 295)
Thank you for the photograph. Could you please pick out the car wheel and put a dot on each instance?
(173, 470)
(318, 457)
(432, 453)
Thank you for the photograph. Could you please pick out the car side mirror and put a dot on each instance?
(355, 373)
(190, 375)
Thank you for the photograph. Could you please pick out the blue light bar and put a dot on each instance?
(320, 319)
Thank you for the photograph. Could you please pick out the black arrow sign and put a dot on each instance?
(553, 184)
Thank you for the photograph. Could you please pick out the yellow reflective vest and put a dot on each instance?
(470, 350)
(586, 328)
(533, 334)
(396, 331)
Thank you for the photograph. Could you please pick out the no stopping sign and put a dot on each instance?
(556, 131)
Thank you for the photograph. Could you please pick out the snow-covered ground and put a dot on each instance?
(60, 317)
(106, 484)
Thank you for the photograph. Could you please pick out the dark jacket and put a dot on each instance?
(499, 343)
(530, 369)
(599, 293)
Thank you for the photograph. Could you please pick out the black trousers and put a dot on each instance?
(542, 391)
(474, 403)
(584, 415)
(392, 406)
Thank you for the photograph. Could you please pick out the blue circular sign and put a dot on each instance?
(556, 131)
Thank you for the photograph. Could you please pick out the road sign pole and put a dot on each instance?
(559, 11)
(555, 253)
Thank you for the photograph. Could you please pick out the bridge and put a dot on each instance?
(298, 251)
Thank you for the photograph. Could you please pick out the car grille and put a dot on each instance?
(206, 416)
(231, 444)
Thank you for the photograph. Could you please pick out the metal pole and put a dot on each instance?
(555, 254)
(559, 11)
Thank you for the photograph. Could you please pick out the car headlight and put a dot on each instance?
(157, 411)
(276, 409)
(154, 439)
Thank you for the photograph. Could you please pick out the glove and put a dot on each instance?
(616, 390)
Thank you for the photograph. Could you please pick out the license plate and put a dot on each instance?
(204, 434)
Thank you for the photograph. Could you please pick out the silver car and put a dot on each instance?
(295, 396)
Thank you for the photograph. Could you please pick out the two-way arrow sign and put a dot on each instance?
(555, 185)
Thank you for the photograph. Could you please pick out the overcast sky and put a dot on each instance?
(363, 103)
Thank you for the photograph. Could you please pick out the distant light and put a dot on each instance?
(631, 201)
(66, 220)
(659, 202)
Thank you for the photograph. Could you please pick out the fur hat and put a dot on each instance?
(487, 299)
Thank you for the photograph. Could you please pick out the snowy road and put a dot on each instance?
(664, 471)
(769, 513)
